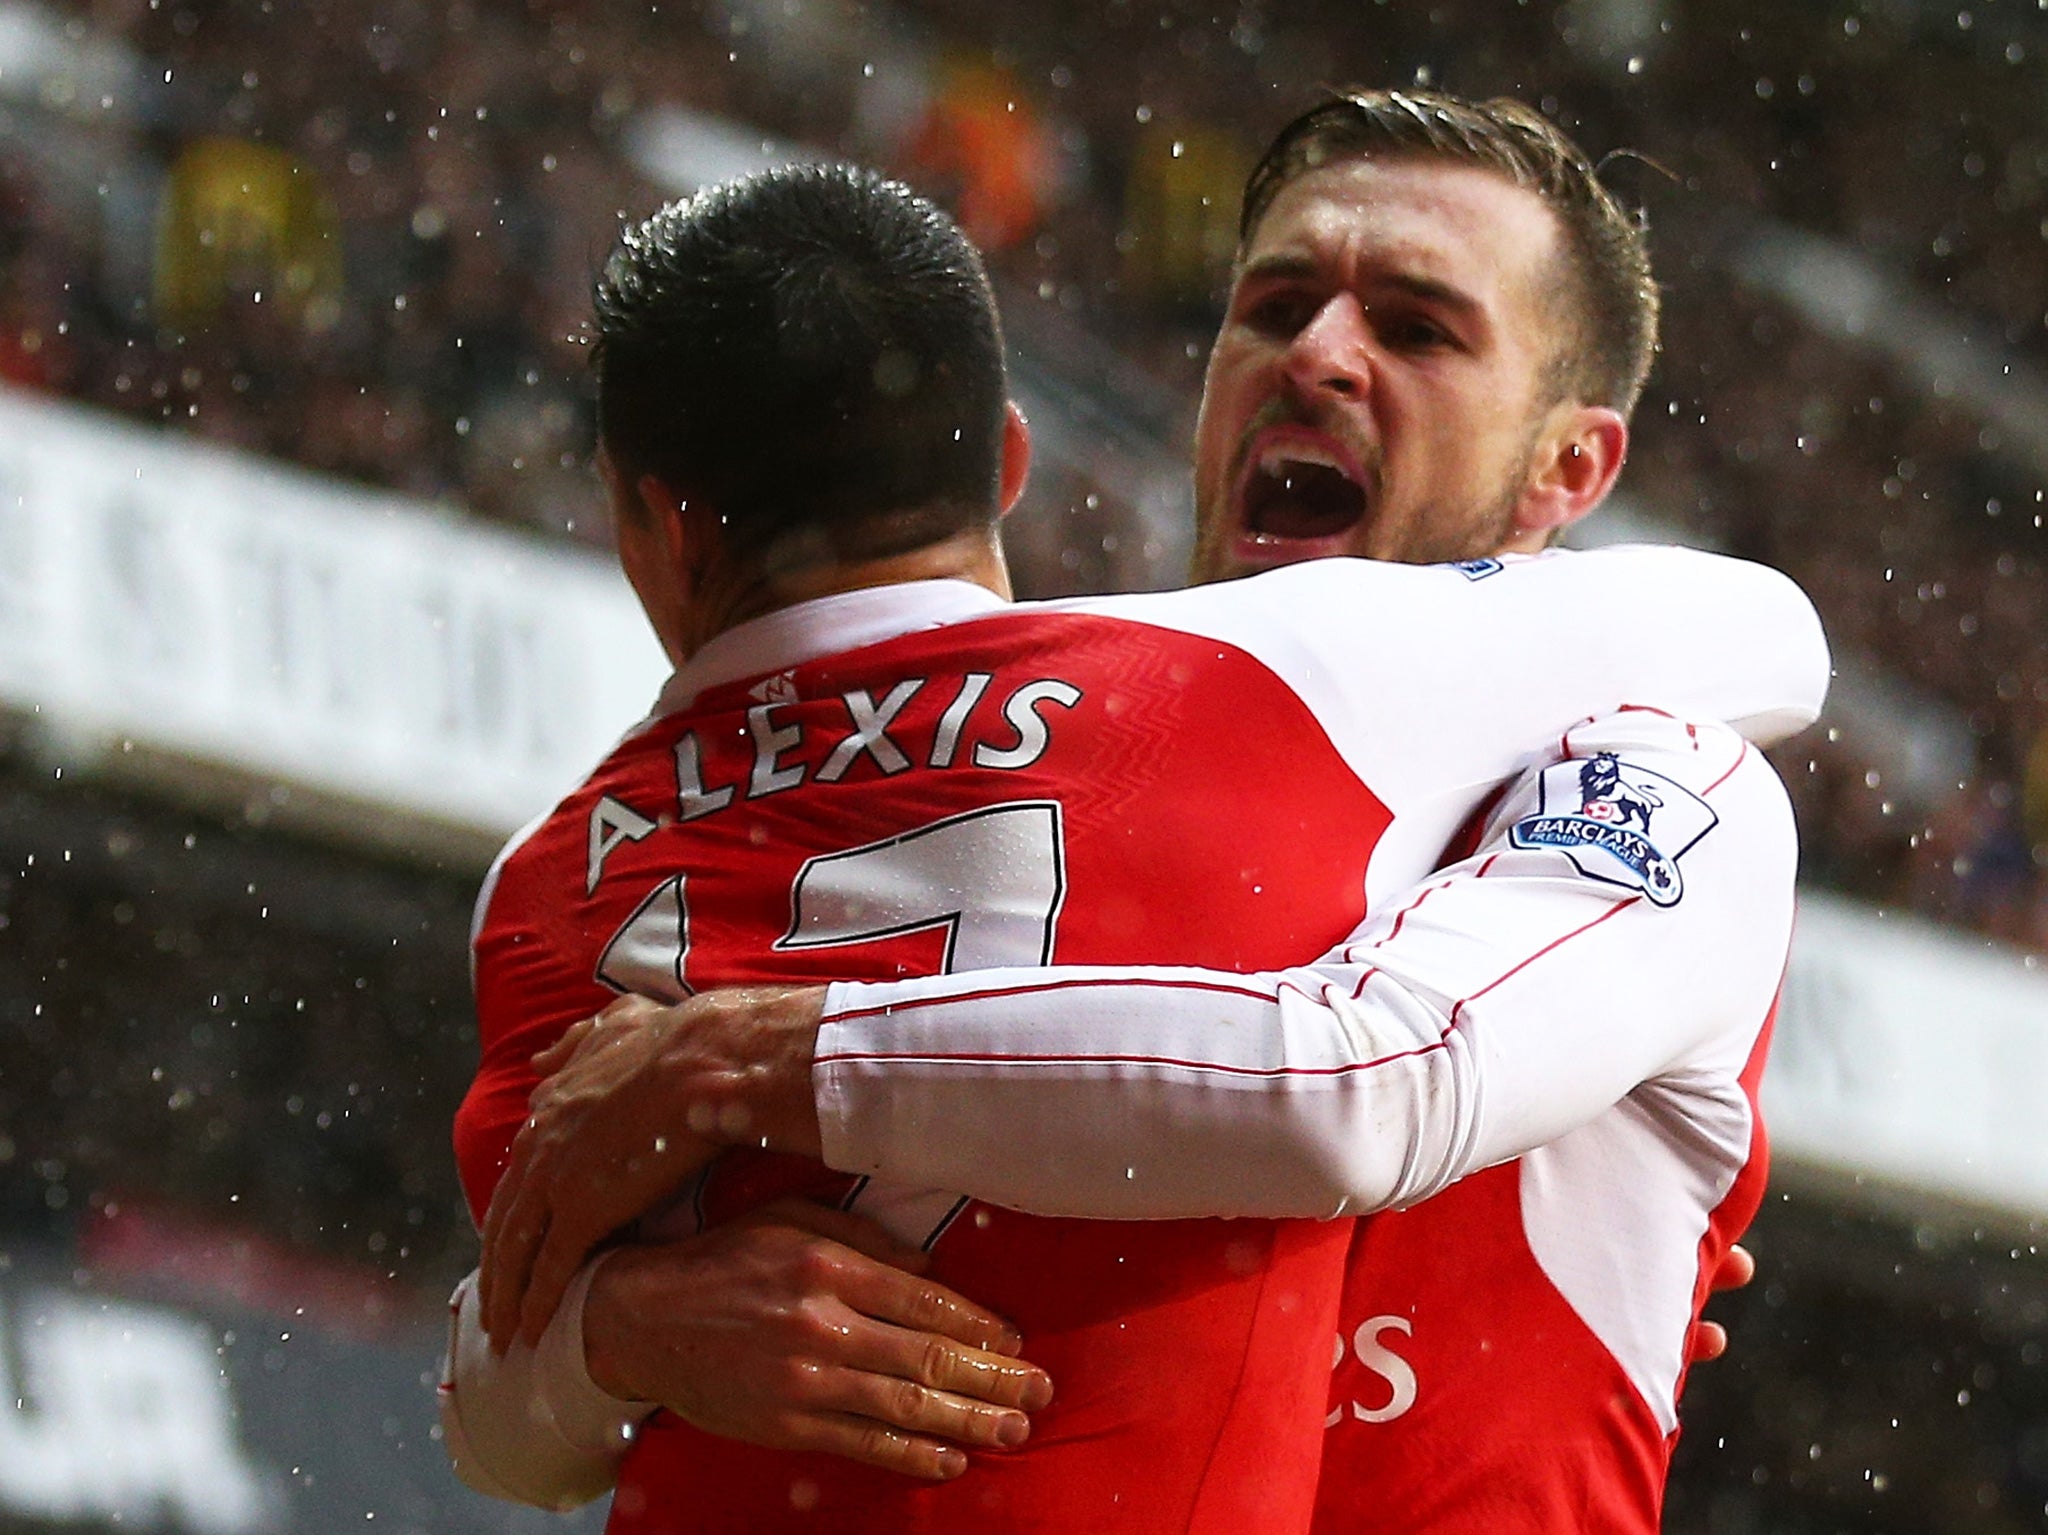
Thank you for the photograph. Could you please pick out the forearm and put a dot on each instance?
(801, 1328)
(1500, 1005)
(1127, 1104)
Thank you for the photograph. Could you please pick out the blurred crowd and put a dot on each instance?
(359, 234)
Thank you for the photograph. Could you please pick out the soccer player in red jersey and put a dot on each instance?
(1303, 304)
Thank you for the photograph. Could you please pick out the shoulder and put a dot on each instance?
(620, 798)
(1707, 757)
(1647, 799)
(1315, 591)
(1319, 609)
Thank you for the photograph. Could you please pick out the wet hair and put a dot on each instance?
(812, 352)
(1610, 297)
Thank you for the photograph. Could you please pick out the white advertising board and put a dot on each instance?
(234, 611)
(1914, 1055)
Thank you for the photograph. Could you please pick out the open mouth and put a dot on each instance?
(1294, 492)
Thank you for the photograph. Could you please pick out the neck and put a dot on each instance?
(730, 599)
(1534, 541)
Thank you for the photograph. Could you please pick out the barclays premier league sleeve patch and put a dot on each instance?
(1618, 823)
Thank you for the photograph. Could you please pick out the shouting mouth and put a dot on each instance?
(1298, 488)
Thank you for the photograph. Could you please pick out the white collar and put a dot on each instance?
(821, 627)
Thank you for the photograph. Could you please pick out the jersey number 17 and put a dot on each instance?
(994, 879)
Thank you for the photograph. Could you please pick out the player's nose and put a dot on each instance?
(1331, 355)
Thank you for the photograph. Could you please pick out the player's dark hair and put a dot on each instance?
(812, 351)
(1610, 297)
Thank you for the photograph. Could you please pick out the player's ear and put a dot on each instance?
(684, 529)
(1578, 457)
(1016, 454)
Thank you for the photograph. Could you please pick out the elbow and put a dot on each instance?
(1340, 1165)
(1389, 1136)
(1389, 1127)
(1808, 667)
(1813, 666)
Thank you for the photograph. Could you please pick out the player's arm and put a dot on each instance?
(1703, 635)
(1500, 1004)
(1435, 685)
(797, 1327)
(1506, 1001)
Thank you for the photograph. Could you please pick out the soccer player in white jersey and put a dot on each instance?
(1402, 273)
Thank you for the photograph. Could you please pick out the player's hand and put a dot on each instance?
(600, 1148)
(1710, 1339)
(803, 1328)
(633, 1102)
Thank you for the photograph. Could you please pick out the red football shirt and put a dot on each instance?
(1043, 785)
(1190, 777)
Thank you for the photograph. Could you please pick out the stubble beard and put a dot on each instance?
(1432, 539)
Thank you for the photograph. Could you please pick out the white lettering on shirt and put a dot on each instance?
(947, 739)
(692, 800)
(1033, 734)
(779, 750)
(770, 742)
(871, 732)
(612, 822)
(1382, 1361)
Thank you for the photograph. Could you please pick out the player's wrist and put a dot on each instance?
(610, 1348)
(750, 1055)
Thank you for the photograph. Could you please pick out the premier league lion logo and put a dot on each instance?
(1604, 796)
(1597, 811)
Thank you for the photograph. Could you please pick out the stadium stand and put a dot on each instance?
(356, 237)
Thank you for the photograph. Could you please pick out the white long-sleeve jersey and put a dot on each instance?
(1364, 1081)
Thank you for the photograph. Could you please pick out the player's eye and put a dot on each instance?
(1414, 333)
(1281, 313)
